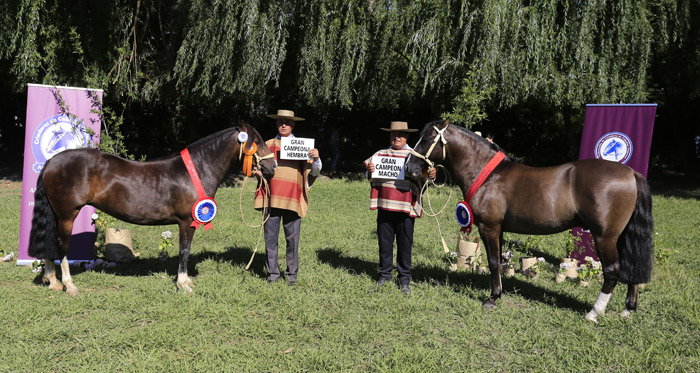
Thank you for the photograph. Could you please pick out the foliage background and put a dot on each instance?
(174, 71)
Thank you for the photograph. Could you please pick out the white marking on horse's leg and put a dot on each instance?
(184, 283)
(626, 313)
(50, 276)
(599, 307)
(66, 277)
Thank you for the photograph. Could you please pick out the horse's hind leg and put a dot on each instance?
(50, 275)
(609, 260)
(65, 228)
(184, 282)
(631, 302)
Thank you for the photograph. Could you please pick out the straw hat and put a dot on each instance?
(285, 114)
(400, 127)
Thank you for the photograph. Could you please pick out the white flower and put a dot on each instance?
(95, 216)
(167, 235)
(541, 260)
(565, 265)
(596, 265)
(588, 259)
(508, 254)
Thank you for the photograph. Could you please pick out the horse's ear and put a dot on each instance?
(447, 122)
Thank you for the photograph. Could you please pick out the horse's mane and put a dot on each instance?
(213, 136)
(428, 127)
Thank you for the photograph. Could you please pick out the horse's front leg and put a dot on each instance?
(490, 236)
(183, 280)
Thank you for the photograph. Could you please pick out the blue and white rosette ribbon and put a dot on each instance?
(465, 218)
(204, 211)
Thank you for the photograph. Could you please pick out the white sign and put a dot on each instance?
(296, 148)
(388, 167)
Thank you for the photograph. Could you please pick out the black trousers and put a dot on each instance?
(292, 224)
(392, 224)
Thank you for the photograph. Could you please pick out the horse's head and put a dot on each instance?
(429, 150)
(263, 159)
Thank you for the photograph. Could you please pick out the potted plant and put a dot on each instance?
(588, 270)
(118, 246)
(568, 265)
(529, 260)
(507, 264)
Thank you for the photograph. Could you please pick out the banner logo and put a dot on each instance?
(56, 134)
(614, 146)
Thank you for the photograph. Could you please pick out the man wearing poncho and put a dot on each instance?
(289, 199)
(397, 209)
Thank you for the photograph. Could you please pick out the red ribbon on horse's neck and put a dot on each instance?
(485, 172)
(185, 153)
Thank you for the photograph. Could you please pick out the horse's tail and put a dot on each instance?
(636, 243)
(43, 239)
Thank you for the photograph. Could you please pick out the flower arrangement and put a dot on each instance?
(565, 266)
(507, 260)
(539, 265)
(165, 244)
(589, 269)
(8, 257)
(507, 263)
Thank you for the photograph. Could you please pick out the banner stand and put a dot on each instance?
(618, 133)
(58, 118)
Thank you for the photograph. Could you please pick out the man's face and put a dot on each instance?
(398, 139)
(285, 127)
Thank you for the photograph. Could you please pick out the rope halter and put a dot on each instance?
(252, 159)
(439, 137)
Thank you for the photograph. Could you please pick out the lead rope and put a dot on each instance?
(440, 136)
(424, 189)
(266, 192)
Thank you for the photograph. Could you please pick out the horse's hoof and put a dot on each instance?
(592, 317)
(56, 286)
(626, 313)
(185, 287)
(490, 304)
(72, 290)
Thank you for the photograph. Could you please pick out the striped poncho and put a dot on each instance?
(289, 187)
(393, 195)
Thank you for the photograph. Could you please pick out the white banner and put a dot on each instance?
(388, 167)
(296, 148)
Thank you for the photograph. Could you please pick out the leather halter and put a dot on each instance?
(439, 137)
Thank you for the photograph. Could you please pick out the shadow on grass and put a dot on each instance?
(147, 266)
(434, 275)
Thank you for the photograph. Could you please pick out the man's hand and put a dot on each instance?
(432, 172)
(370, 167)
(257, 173)
(313, 153)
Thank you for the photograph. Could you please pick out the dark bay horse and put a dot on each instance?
(607, 198)
(148, 193)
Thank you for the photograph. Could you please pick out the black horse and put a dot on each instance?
(149, 193)
(607, 198)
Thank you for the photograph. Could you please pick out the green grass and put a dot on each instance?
(131, 318)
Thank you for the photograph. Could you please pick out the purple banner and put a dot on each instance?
(619, 133)
(58, 118)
